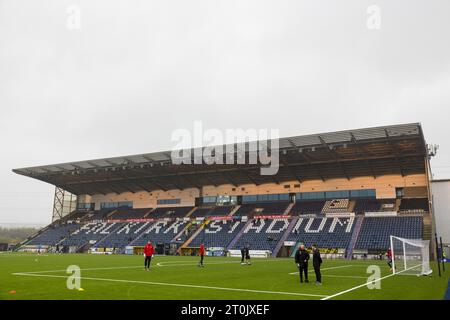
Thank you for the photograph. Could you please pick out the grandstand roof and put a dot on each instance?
(397, 149)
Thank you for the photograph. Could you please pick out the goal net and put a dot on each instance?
(410, 256)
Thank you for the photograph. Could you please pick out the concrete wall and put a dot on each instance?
(149, 199)
(384, 186)
(441, 204)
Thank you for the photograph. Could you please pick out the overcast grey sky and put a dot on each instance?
(136, 70)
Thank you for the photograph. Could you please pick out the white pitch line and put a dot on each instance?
(339, 276)
(365, 284)
(159, 264)
(23, 255)
(86, 269)
(330, 268)
(176, 285)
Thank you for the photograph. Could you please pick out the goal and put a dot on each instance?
(410, 256)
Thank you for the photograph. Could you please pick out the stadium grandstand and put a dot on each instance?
(346, 191)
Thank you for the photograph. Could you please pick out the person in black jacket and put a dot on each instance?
(247, 254)
(317, 261)
(301, 259)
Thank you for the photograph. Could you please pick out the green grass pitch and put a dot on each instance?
(31, 276)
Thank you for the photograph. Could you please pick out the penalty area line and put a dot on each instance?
(176, 285)
(365, 284)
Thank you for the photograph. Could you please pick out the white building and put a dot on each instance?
(441, 204)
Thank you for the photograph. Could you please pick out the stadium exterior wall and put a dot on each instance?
(385, 187)
(441, 204)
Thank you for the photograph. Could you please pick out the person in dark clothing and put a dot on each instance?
(242, 255)
(247, 255)
(301, 259)
(317, 261)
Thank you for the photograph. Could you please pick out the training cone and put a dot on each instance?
(13, 292)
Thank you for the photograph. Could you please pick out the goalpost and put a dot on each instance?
(410, 256)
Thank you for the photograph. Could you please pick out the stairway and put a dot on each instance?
(179, 235)
(108, 215)
(284, 237)
(196, 233)
(236, 208)
(190, 212)
(238, 236)
(142, 230)
(109, 234)
(84, 248)
(288, 209)
(355, 234)
(146, 215)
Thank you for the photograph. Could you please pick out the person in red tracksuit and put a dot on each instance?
(202, 255)
(148, 253)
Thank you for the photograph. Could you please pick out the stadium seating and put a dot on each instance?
(161, 232)
(375, 231)
(374, 205)
(245, 210)
(217, 211)
(388, 204)
(325, 232)
(262, 208)
(307, 207)
(367, 205)
(124, 235)
(262, 234)
(54, 234)
(218, 233)
(128, 213)
(414, 205)
(99, 214)
(311, 227)
(90, 232)
(76, 215)
(201, 212)
(220, 211)
(169, 212)
(336, 205)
